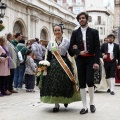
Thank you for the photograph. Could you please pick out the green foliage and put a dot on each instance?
(2, 27)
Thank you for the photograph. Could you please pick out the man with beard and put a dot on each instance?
(110, 52)
(85, 45)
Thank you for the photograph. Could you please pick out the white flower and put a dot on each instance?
(44, 63)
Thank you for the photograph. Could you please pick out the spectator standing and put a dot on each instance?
(4, 67)
(13, 62)
(30, 70)
(19, 71)
(37, 50)
(18, 36)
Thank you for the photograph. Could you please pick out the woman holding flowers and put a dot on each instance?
(58, 86)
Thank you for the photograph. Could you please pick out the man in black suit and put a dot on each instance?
(110, 53)
(85, 45)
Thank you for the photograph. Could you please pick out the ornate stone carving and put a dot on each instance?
(34, 18)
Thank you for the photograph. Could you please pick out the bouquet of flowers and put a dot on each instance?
(42, 70)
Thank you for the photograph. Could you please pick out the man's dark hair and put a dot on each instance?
(17, 35)
(105, 38)
(37, 40)
(28, 52)
(22, 41)
(9, 36)
(82, 13)
(111, 35)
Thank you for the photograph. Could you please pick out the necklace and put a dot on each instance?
(58, 41)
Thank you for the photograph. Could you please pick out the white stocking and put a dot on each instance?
(91, 94)
(83, 97)
(112, 80)
(56, 105)
(108, 82)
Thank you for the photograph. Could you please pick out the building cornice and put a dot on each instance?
(100, 11)
(49, 13)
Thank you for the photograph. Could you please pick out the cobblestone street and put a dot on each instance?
(26, 106)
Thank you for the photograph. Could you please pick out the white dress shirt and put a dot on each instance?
(110, 50)
(83, 30)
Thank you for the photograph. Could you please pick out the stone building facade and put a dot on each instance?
(101, 13)
(116, 29)
(35, 18)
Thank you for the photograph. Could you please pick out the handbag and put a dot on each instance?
(20, 57)
(19, 54)
(3, 55)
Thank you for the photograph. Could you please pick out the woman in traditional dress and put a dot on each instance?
(57, 87)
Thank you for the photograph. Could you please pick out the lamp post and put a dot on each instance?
(2, 9)
(2, 13)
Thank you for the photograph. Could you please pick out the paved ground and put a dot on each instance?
(26, 106)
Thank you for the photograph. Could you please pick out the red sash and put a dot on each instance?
(87, 55)
(108, 58)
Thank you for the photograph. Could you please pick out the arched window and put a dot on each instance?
(90, 19)
(19, 28)
(43, 35)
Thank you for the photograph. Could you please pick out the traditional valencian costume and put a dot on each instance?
(112, 51)
(59, 86)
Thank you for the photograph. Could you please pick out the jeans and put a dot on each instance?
(18, 76)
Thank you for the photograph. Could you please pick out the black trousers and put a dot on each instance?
(85, 71)
(29, 81)
(10, 80)
(2, 84)
(110, 68)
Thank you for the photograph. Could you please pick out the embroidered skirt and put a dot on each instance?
(56, 87)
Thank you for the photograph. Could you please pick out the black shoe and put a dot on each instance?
(96, 91)
(92, 108)
(65, 104)
(112, 93)
(83, 111)
(55, 109)
(108, 90)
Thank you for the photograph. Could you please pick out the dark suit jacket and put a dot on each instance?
(116, 51)
(92, 43)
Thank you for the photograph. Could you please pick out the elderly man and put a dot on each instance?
(13, 62)
(38, 50)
